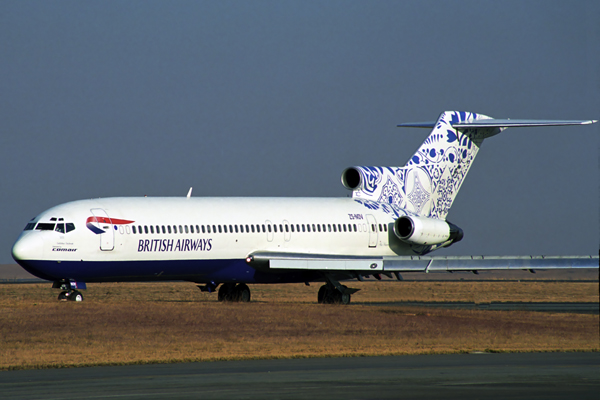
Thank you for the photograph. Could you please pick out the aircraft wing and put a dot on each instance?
(364, 265)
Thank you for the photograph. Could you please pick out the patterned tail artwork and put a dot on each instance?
(427, 185)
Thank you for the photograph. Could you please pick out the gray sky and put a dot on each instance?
(277, 98)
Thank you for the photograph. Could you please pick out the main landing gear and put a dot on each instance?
(234, 293)
(329, 294)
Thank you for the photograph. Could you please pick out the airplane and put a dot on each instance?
(394, 218)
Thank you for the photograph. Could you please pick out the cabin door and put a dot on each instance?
(372, 228)
(102, 220)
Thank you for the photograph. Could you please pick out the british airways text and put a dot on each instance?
(172, 245)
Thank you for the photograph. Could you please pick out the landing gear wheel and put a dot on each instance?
(243, 293)
(226, 292)
(321, 294)
(344, 297)
(63, 296)
(75, 296)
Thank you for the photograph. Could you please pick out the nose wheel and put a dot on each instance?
(70, 295)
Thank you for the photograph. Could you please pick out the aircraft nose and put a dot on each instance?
(28, 247)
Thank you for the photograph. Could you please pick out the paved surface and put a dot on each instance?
(464, 376)
(579, 308)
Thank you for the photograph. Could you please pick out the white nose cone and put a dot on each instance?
(28, 247)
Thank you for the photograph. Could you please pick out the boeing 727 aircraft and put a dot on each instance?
(395, 217)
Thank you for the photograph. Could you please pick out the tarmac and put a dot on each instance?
(465, 376)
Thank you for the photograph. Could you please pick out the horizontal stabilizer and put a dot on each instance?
(501, 123)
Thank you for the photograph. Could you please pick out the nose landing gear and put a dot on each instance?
(69, 290)
(70, 295)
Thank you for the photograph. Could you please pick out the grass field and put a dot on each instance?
(168, 322)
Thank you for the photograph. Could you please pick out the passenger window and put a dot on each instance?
(220, 231)
(175, 229)
(354, 227)
(329, 228)
(197, 229)
(224, 228)
(186, 229)
(60, 228)
(292, 227)
(247, 229)
(151, 229)
(269, 228)
(275, 228)
(319, 227)
(126, 229)
(287, 228)
(280, 228)
(297, 227)
(169, 228)
(252, 226)
(303, 228)
(180, 229)
(264, 229)
(334, 228)
(380, 228)
(146, 229)
(208, 228)
(214, 229)
(203, 229)
(191, 228)
(132, 227)
(314, 229)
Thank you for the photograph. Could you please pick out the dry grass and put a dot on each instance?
(139, 323)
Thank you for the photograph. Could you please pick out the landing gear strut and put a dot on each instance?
(329, 294)
(234, 293)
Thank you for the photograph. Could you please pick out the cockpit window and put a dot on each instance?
(70, 227)
(30, 226)
(60, 228)
(44, 226)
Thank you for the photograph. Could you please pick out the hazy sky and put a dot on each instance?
(277, 98)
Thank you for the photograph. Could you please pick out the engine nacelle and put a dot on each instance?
(351, 178)
(426, 231)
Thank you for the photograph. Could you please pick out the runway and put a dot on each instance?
(464, 376)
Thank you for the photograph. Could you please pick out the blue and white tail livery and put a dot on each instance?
(427, 185)
(396, 215)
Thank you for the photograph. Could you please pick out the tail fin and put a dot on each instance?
(428, 183)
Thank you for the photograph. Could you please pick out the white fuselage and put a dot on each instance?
(197, 233)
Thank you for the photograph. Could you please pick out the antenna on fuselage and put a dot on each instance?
(189, 193)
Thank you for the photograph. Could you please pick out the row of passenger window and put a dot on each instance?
(251, 228)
